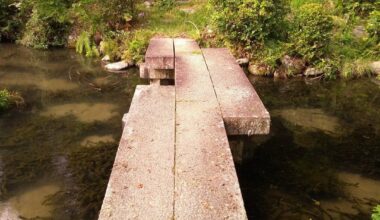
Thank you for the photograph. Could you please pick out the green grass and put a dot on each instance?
(174, 22)
(4, 99)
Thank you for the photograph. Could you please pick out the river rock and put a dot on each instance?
(258, 70)
(281, 73)
(312, 72)
(293, 66)
(122, 65)
(106, 58)
(242, 61)
(359, 32)
(375, 67)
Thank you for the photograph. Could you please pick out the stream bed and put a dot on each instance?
(320, 161)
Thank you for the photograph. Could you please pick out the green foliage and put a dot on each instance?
(165, 4)
(360, 7)
(136, 45)
(373, 25)
(311, 33)
(10, 22)
(86, 46)
(4, 99)
(376, 213)
(250, 22)
(102, 16)
(48, 24)
(329, 67)
(356, 69)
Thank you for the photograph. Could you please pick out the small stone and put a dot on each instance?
(375, 67)
(106, 58)
(293, 66)
(312, 72)
(258, 70)
(117, 66)
(148, 4)
(242, 61)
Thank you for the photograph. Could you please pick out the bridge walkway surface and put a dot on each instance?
(174, 160)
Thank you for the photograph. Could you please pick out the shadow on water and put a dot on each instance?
(321, 159)
(56, 153)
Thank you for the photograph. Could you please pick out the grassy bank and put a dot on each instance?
(281, 38)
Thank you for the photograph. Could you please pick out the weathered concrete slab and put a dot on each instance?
(141, 185)
(206, 185)
(242, 109)
(160, 54)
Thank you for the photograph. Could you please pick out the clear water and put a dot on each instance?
(57, 150)
(320, 161)
(322, 157)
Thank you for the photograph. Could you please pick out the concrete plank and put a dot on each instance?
(160, 54)
(206, 185)
(242, 109)
(141, 185)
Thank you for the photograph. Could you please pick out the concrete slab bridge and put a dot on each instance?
(174, 160)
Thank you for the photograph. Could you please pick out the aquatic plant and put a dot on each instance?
(376, 213)
(4, 99)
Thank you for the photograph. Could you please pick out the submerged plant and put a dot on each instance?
(376, 213)
(4, 99)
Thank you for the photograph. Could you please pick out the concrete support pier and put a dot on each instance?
(174, 159)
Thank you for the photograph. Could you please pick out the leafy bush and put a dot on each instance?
(376, 213)
(101, 16)
(356, 69)
(360, 7)
(373, 25)
(137, 45)
(10, 22)
(86, 46)
(311, 33)
(48, 25)
(4, 99)
(329, 67)
(250, 22)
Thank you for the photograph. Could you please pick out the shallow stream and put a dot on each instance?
(320, 161)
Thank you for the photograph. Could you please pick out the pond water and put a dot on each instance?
(322, 157)
(320, 161)
(57, 150)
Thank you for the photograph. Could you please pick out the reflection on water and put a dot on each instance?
(321, 159)
(67, 132)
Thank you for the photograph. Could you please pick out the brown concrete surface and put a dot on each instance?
(141, 185)
(206, 185)
(242, 109)
(160, 54)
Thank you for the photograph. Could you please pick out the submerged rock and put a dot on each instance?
(40, 81)
(311, 120)
(359, 190)
(122, 65)
(84, 112)
(91, 140)
(30, 204)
